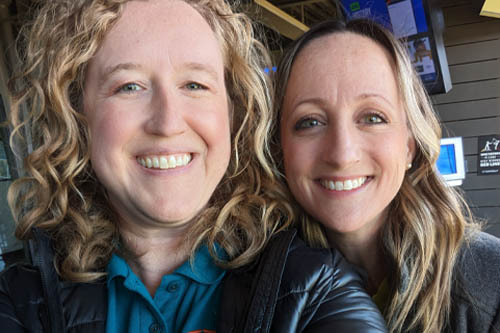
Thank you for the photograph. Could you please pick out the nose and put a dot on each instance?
(166, 114)
(341, 148)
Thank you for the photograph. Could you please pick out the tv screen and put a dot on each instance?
(447, 163)
(451, 162)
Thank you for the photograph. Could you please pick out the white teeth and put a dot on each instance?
(346, 185)
(339, 186)
(172, 162)
(164, 162)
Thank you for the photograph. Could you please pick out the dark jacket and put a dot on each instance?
(475, 290)
(475, 305)
(290, 288)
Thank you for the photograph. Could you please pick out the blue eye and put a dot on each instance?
(307, 123)
(129, 88)
(195, 86)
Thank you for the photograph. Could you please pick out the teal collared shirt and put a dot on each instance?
(187, 300)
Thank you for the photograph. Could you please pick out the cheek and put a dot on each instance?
(215, 131)
(297, 163)
(288, 156)
(109, 133)
(394, 159)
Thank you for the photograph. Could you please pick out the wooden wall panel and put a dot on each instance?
(469, 109)
(474, 127)
(470, 33)
(490, 216)
(483, 70)
(472, 107)
(445, 4)
(471, 163)
(483, 198)
(475, 182)
(468, 91)
(474, 52)
(465, 14)
(470, 145)
(493, 228)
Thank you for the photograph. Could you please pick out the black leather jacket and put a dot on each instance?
(290, 288)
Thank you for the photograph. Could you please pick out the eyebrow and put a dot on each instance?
(321, 101)
(196, 66)
(314, 100)
(371, 95)
(108, 71)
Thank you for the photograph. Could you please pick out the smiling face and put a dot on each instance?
(344, 136)
(158, 116)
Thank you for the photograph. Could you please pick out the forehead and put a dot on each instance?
(159, 28)
(344, 52)
(344, 62)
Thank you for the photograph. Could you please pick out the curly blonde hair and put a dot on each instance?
(61, 194)
(427, 220)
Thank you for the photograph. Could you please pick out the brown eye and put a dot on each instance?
(373, 119)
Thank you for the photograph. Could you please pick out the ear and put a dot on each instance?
(411, 148)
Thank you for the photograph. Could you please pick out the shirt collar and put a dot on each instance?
(117, 266)
(201, 268)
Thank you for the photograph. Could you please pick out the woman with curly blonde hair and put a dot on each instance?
(149, 200)
(359, 142)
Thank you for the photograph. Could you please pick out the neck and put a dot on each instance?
(155, 253)
(363, 251)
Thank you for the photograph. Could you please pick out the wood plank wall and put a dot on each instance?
(472, 107)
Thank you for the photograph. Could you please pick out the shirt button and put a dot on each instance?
(173, 287)
(155, 328)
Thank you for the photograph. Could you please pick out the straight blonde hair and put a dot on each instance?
(427, 220)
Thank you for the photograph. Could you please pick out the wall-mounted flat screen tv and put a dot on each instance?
(419, 25)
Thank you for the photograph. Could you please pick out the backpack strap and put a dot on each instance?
(267, 281)
(42, 256)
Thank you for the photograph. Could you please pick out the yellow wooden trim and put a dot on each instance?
(491, 8)
(273, 17)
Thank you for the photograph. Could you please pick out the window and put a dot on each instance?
(10, 247)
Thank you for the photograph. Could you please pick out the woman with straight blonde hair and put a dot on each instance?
(359, 142)
(149, 201)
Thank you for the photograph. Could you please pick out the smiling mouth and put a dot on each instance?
(346, 185)
(164, 162)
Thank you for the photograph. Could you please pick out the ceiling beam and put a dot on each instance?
(273, 17)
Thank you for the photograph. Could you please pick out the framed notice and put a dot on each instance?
(488, 162)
